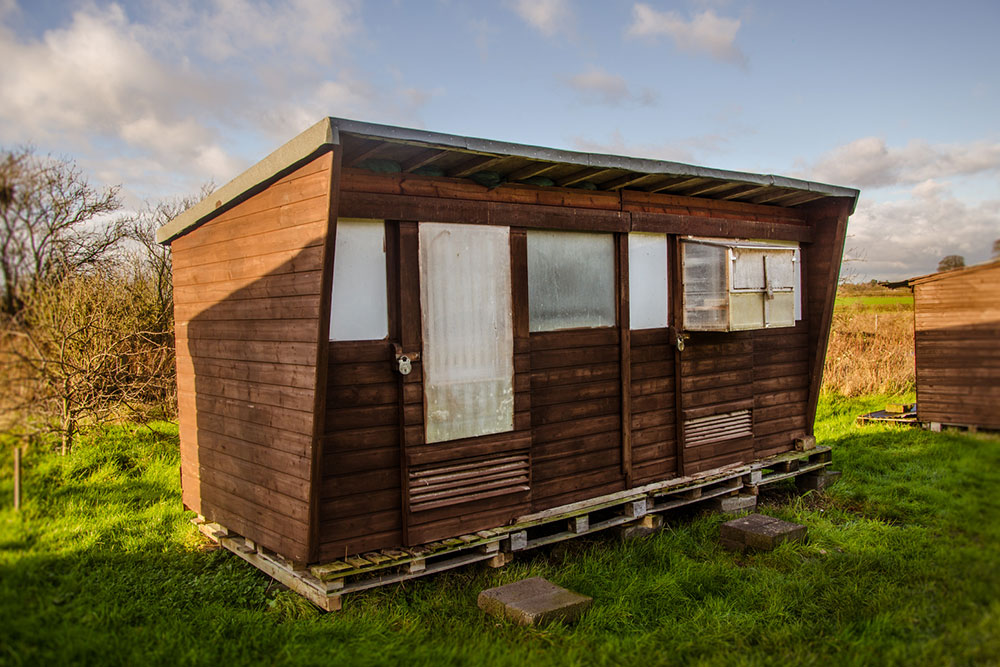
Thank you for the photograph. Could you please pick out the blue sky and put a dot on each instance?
(900, 99)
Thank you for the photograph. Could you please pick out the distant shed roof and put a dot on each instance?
(942, 275)
(460, 157)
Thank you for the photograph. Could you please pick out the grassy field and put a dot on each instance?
(102, 567)
(871, 342)
(879, 302)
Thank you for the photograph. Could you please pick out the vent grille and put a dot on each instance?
(447, 485)
(716, 428)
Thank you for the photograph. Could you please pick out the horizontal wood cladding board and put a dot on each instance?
(247, 307)
(408, 207)
(281, 285)
(292, 331)
(673, 223)
(243, 272)
(290, 239)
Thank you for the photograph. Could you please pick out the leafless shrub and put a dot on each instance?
(80, 351)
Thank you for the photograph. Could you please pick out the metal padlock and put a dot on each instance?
(404, 365)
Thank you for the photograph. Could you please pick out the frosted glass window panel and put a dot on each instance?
(748, 268)
(781, 269)
(647, 280)
(706, 289)
(780, 310)
(359, 310)
(746, 310)
(571, 280)
(468, 332)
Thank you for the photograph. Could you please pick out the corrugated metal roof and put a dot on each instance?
(456, 156)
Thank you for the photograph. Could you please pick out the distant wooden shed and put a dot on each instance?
(956, 317)
(387, 337)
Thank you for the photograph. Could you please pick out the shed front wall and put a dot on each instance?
(957, 341)
(571, 391)
(249, 305)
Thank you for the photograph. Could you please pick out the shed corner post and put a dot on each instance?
(323, 353)
(822, 259)
(625, 349)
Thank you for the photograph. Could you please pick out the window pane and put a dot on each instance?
(748, 268)
(798, 285)
(571, 280)
(468, 331)
(647, 280)
(706, 294)
(781, 310)
(359, 310)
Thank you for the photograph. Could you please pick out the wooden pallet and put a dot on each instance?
(939, 427)
(324, 584)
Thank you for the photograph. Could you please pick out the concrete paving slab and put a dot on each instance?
(534, 601)
(758, 531)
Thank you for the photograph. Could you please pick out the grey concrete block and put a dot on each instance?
(650, 523)
(737, 503)
(534, 601)
(817, 481)
(761, 532)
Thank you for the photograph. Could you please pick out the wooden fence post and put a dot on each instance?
(17, 478)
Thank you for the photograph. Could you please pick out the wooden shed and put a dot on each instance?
(956, 321)
(390, 337)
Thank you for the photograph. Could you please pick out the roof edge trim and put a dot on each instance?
(307, 143)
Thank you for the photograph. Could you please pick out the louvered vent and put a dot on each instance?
(442, 486)
(715, 428)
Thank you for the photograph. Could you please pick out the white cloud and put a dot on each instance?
(158, 102)
(870, 162)
(547, 16)
(597, 86)
(907, 238)
(706, 32)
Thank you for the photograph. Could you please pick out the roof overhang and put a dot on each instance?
(459, 157)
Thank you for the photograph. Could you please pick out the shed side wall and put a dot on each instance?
(957, 332)
(247, 304)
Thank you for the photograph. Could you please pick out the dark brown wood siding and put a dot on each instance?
(780, 388)
(654, 428)
(247, 304)
(360, 502)
(575, 415)
(957, 332)
(716, 378)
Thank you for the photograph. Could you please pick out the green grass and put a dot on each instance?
(877, 303)
(901, 567)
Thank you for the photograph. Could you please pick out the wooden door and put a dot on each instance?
(465, 463)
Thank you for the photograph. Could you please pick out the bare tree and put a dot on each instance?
(82, 352)
(50, 221)
(996, 248)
